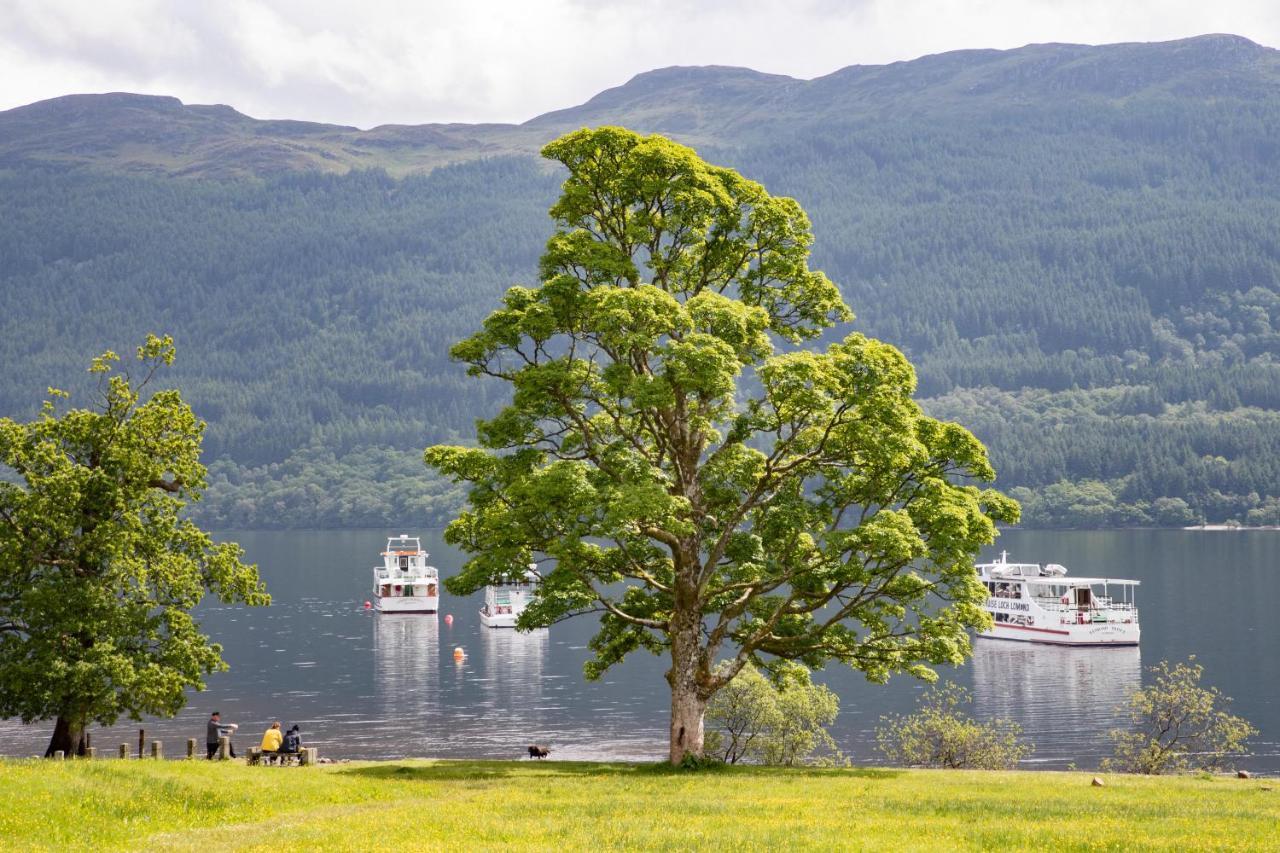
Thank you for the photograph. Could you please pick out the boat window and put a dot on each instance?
(404, 562)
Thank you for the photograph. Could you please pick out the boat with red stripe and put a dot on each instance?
(1038, 603)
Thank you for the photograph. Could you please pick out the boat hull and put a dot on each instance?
(1088, 634)
(407, 604)
(498, 620)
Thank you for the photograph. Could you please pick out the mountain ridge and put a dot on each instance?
(699, 105)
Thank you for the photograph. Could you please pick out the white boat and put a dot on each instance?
(1040, 604)
(404, 583)
(504, 602)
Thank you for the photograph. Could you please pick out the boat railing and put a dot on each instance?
(1098, 603)
(1099, 610)
(383, 573)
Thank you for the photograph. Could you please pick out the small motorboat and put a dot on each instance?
(504, 602)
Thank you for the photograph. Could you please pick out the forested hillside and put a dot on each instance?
(1078, 246)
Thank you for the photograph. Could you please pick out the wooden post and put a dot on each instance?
(90, 751)
(88, 742)
(157, 749)
(59, 755)
(142, 741)
(124, 750)
(191, 748)
(224, 748)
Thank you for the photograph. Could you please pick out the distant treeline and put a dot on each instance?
(1095, 292)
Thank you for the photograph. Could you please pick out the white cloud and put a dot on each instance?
(385, 61)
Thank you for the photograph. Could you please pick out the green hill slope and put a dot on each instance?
(1078, 246)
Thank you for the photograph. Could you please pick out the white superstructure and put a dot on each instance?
(504, 602)
(1040, 604)
(404, 583)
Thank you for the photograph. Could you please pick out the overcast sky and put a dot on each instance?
(391, 61)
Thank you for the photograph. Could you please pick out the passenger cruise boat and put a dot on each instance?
(404, 583)
(504, 602)
(1040, 604)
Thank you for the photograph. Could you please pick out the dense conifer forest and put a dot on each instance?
(1078, 247)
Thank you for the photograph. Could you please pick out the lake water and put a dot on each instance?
(368, 686)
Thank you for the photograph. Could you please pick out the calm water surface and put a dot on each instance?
(367, 686)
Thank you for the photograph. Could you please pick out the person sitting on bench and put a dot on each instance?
(271, 742)
(292, 742)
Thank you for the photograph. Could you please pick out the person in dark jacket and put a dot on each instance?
(217, 730)
(292, 741)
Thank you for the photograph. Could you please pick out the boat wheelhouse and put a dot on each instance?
(504, 602)
(404, 583)
(1040, 604)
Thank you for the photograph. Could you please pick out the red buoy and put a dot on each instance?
(448, 619)
(367, 605)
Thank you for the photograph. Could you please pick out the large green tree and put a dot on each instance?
(676, 462)
(98, 570)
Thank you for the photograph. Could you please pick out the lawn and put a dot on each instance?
(113, 804)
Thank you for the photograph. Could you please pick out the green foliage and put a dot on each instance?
(699, 763)
(99, 572)
(668, 469)
(1177, 726)
(754, 720)
(943, 734)
(315, 487)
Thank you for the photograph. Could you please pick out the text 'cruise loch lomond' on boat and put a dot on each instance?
(404, 583)
(1040, 604)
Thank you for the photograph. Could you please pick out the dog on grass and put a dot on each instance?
(536, 751)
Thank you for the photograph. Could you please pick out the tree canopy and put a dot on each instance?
(99, 572)
(676, 463)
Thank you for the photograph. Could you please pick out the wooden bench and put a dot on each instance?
(306, 755)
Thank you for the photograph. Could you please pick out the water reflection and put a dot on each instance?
(1065, 699)
(513, 663)
(406, 654)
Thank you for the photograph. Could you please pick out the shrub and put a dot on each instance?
(755, 720)
(1177, 725)
(941, 734)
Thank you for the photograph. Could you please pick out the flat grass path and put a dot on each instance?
(466, 805)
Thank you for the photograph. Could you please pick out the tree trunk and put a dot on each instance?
(68, 736)
(687, 712)
(688, 705)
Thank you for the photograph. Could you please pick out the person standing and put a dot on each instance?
(217, 730)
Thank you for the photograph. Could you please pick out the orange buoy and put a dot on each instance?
(448, 619)
(459, 654)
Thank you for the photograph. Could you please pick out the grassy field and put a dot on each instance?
(111, 804)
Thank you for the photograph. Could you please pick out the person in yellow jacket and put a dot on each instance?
(271, 741)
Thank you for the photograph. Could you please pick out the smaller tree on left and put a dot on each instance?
(99, 571)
